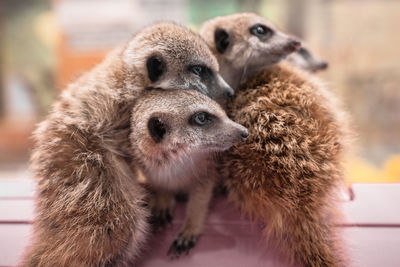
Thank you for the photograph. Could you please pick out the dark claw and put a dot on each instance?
(191, 244)
(160, 219)
(168, 217)
(181, 245)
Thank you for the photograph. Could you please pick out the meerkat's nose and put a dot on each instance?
(323, 65)
(293, 45)
(244, 134)
(229, 93)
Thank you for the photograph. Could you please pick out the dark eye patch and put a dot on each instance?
(261, 31)
(202, 71)
(303, 52)
(201, 118)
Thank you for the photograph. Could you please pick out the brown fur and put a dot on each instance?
(286, 173)
(89, 208)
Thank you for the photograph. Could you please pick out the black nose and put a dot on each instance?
(229, 93)
(293, 45)
(244, 134)
(323, 65)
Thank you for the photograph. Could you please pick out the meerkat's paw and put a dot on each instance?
(162, 208)
(182, 244)
(161, 218)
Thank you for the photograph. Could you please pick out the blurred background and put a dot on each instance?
(46, 44)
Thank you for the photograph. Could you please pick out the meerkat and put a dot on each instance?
(307, 60)
(288, 171)
(169, 141)
(89, 207)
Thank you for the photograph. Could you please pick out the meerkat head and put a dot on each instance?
(170, 56)
(168, 126)
(244, 43)
(306, 60)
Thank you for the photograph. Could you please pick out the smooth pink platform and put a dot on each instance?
(371, 229)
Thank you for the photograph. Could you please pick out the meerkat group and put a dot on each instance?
(150, 108)
(90, 210)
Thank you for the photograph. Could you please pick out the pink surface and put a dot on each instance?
(230, 240)
(13, 239)
(16, 210)
(374, 204)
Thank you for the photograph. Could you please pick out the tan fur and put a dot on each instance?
(89, 208)
(176, 161)
(287, 172)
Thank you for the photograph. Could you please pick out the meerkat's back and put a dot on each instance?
(288, 171)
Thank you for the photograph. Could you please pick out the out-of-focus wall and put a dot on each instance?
(45, 44)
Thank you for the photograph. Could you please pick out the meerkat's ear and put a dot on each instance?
(221, 39)
(157, 129)
(155, 67)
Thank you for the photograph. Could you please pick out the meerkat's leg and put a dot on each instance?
(196, 212)
(162, 205)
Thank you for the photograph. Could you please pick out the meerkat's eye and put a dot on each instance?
(201, 119)
(201, 71)
(302, 51)
(261, 31)
(197, 69)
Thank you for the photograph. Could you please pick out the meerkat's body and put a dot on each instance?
(173, 148)
(287, 173)
(89, 208)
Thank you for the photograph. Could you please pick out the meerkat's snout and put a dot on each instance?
(293, 45)
(244, 134)
(227, 91)
(239, 133)
(323, 65)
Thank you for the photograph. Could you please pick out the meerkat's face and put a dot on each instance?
(247, 41)
(172, 57)
(174, 125)
(306, 60)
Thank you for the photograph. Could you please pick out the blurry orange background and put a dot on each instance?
(47, 44)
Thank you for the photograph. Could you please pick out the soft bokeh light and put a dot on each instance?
(46, 44)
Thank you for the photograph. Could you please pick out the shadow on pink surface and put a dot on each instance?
(371, 229)
(228, 240)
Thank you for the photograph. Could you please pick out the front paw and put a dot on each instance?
(182, 244)
(161, 218)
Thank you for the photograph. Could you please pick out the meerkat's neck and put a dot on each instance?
(231, 74)
(163, 172)
(235, 75)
